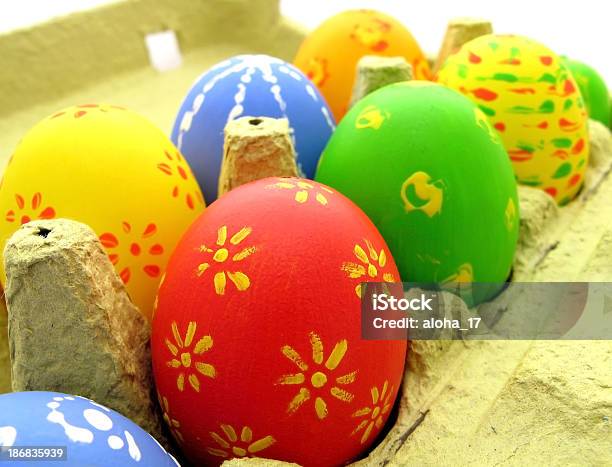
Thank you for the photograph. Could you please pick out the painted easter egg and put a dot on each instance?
(425, 165)
(330, 53)
(249, 85)
(73, 431)
(256, 344)
(113, 170)
(532, 100)
(593, 90)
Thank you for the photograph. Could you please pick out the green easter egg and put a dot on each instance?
(425, 165)
(593, 89)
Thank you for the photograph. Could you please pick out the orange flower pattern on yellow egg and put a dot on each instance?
(183, 356)
(25, 212)
(142, 247)
(220, 257)
(371, 266)
(313, 382)
(82, 110)
(373, 415)
(230, 446)
(175, 166)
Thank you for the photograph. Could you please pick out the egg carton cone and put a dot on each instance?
(374, 72)
(72, 327)
(458, 32)
(256, 148)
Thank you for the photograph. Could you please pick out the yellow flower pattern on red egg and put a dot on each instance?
(229, 445)
(173, 424)
(184, 355)
(156, 302)
(370, 266)
(303, 190)
(373, 415)
(221, 257)
(314, 380)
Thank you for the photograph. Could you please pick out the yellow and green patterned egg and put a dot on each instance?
(531, 98)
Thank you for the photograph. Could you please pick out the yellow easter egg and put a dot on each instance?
(532, 100)
(113, 170)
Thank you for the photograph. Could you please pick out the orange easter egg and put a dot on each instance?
(329, 54)
(256, 344)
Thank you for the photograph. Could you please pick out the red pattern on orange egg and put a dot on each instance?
(329, 54)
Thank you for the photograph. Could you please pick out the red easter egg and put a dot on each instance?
(257, 347)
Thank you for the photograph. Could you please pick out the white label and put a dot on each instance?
(164, 51)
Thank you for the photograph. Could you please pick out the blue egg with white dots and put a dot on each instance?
(253, 86)
(60, 429)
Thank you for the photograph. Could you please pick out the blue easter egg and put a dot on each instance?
(255, 86)
(90, 434)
